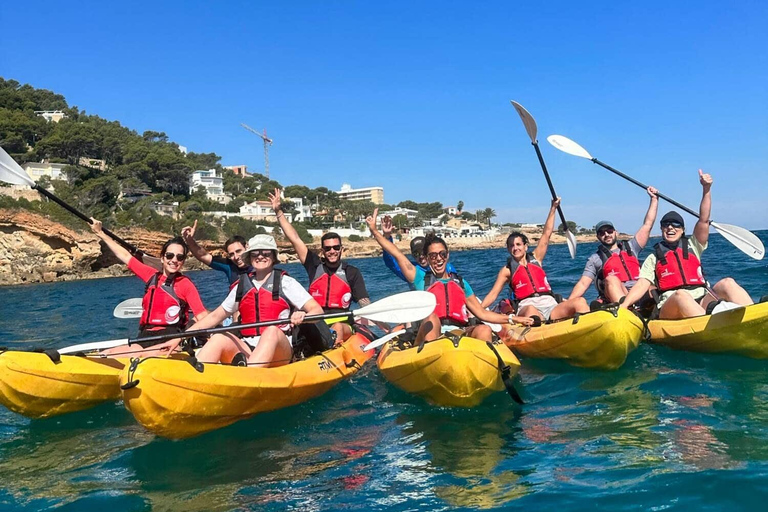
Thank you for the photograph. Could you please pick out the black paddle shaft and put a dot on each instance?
(549, 182)
(644, 186)
(133, 250)
(234, 327)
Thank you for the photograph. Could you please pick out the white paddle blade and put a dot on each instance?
(571, 241)
(384, 339)
(744, 240)
(400, 308)
(528, 121)
(11, 172)
(131, 308)
(568, 146)
(94, 346)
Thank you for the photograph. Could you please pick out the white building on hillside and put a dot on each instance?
(409, 214)
(373, 194)
(451, 210)
(258, 210)
(303, 211)
(37, 170)
(213, 184)
(51, 115)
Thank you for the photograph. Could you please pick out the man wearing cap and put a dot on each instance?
(615, 267)
(265, 294)
(417, 246)
(675, 268)
(333, 283)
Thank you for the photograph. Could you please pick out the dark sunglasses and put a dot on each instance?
(675, 225)
(265, 253)
(336, 247)
(180, 257)
(604, 231)
(434, 255)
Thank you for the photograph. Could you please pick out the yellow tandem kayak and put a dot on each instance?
(32, 384)
(453, 370)
(599, 340)
(742, 331)
(175, 399)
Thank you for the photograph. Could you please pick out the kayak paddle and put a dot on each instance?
(130, 308)
(744, 240)
(395, 309)
(530, 127)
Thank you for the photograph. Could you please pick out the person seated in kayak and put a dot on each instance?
(333, 283)
(454, 294)
(615, 267)
(528, 281)
(417, 252)
(232, 266)
(674, 267)
(169, 295)
(264, 295)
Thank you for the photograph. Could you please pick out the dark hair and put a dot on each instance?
(516, 234)
(233, 240)
(430, 239)
(329, 236)
(175, 240)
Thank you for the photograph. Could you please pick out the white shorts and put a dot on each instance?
(544, 303)
(253, 341)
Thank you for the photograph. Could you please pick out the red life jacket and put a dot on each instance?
(451, 305)
(677, 268)
(331, 291)
(623, 265)
(262, 305)
(161, 306)
(527, 280)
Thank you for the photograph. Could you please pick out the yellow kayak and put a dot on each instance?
(175, 399)
(32, 384)
(453, 370)
(742, 331)
(600, 340)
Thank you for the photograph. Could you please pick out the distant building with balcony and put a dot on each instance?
(258, 210)
(212, 183)
(51, 115)
(303, 211)
(168, 210)
(407, 212)
(372, 194)
(451, 210)
(240, 170)
(37, 170)
(93, 163)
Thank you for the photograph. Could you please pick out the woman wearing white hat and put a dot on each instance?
(266, 294)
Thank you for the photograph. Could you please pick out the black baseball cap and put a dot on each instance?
(417, 245)
(672, 217)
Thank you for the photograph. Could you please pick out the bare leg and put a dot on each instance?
(273, 349)
(614, 289)
(480, 332)
(680, 305)
(343, 331)
(222, 348)
(569, 308)
(530, 311)
(429, 330)
(728, 289)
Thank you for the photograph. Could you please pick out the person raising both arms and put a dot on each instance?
(453, 293)
(168, 297)
(333, 283)
(615, 267)
(675, 269)
(232, 266)
(417, 252)
(528, 281)
(265, 294)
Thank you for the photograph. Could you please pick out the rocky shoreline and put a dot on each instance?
(34, 249)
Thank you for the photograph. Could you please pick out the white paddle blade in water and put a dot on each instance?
(11, 172)
(568, 146)
(131, 308)
(571, 241)
(744, 240)
(400, 308)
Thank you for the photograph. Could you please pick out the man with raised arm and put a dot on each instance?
(675, 269)
(333, 283)
(232, 266)
(615, 267)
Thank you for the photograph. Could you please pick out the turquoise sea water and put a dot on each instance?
(669, 430)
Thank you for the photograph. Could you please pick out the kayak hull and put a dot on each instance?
(32, 384)
(741, 331)
(445, 373)
(175, 400)
(599, 340)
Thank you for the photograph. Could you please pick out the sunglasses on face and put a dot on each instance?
(264, 253)
(435, 255)
(179, 257)
(605, 232)
(336, 248)
(675, 225)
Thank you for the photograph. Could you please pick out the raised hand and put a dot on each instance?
(555, 203)
(371, 220)
(274, 198)
(96, 226)
(387, 226)
(705, 179)
(652, 192)
(188, 232)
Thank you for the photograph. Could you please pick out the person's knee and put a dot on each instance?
(612, 281)
(726, 283)
(482, 332)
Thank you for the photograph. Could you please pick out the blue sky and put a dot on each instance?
(414, 96)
